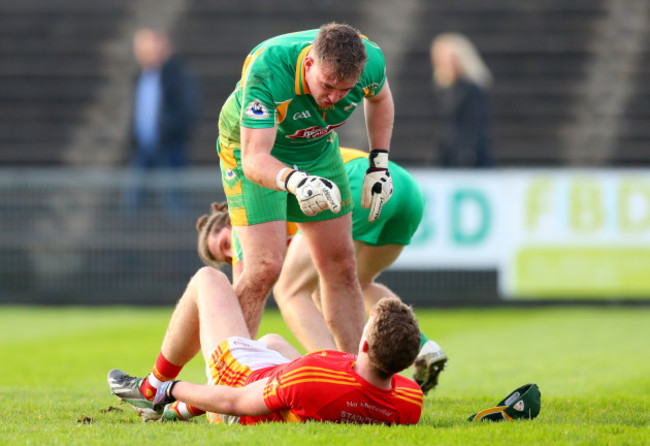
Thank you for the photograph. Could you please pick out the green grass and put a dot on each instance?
(592, 366)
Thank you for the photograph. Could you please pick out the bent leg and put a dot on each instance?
(220, 315)
(279, 344)
(330, 244)
(263, 247)
(207, 313)
(292, 293)
(371, 261)
(182, 341)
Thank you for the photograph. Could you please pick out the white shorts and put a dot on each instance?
(233, 361)
(236, 357)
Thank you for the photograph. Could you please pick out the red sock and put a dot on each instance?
(161, 372)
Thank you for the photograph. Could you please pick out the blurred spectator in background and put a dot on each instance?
(165, 104)
(461, 79)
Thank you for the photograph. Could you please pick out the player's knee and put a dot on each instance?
(346, 270)
(208, 272)
(281, 293)
(264, 271)
(209, 277)
(365, 284)
(272, 340)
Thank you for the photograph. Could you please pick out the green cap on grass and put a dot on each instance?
(525, 402)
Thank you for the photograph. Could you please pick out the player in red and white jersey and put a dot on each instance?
(267, 380)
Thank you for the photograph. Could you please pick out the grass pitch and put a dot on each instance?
(592, 366)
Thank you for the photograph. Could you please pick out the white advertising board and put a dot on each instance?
(549, 233)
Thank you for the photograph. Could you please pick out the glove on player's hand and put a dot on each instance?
(314, 193)
(377, 187)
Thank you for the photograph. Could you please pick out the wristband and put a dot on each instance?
(278, 179)
(170, 388)
(291, 183)
(378, 159)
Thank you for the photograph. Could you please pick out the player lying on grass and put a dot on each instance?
(377, 245)
(267, 380)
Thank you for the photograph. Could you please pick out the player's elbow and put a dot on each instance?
(250, 166)
(247, 168)
(231, 408)
(224, 400)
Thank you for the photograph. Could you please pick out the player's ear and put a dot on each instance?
(364, 347)
(309, 61)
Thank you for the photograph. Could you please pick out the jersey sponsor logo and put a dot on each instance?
(314, 132)
(301, 115)
(257, 110)
(350, 417)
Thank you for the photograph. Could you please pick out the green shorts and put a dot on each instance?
(250, 203)
(400, 216)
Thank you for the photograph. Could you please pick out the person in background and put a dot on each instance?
(461, 80)
(165, 107)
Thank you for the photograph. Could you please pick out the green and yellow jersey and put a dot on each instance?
(272, 92)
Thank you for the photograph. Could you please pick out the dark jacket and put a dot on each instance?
(178, 106)
(466, 140)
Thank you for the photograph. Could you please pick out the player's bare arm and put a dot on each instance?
(380, 114)
(377, 184)
(238, 401)
(257, 162)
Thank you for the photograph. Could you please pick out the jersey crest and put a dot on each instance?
(257, 110)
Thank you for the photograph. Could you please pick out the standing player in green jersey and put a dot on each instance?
(280, 161)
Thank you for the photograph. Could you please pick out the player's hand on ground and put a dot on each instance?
(377, 187)
(314, 193)
(164, 396)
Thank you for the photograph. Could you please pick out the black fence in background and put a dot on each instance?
(68, 237)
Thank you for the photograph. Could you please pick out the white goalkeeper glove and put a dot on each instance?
(377, 185)
(314, 193)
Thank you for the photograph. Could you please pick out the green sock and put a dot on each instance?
(423, 340)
